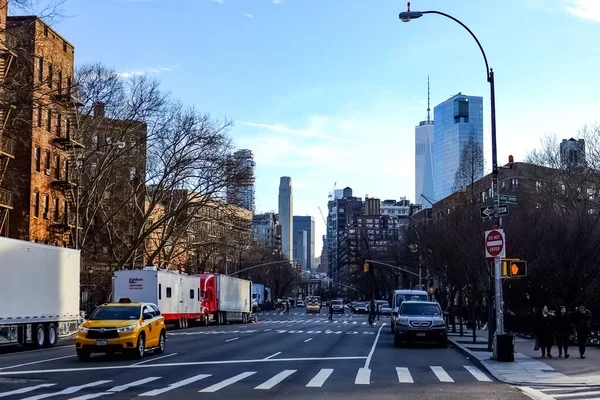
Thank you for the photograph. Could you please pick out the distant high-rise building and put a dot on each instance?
(286, 212)
(424, 157)
(572, 152)
(264, 228)
(307, 223)
(300, 248)
(456, 120)
(241, 193)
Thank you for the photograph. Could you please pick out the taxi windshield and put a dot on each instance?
(118, 313)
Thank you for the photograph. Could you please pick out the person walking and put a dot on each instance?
(563, 330)
(330, 311)
(545, 332)
(582, 320)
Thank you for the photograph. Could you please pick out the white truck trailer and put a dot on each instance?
(39, 293)
(226, 298)
(177, 295)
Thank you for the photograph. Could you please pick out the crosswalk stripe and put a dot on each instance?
(441, 374)
(26, 390)
(175, 385)
(363, 377)
(133, 384)
(404, 375)
(69, 390)
(275, 380)
(364, 323)
(480, 376)
(320, 378)
(90, 396)
(353, 322)
(567, 395)
(226, 382)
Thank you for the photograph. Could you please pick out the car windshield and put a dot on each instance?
(337, 302)
(420, 309)
(402, 297)
(119, 313)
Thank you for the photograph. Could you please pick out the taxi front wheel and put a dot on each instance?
(162, 341)
(140, 348)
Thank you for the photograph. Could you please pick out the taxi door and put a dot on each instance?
(149, 323)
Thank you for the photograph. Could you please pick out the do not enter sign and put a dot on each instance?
(495, 244)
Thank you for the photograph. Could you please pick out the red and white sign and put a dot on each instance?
(495, 243)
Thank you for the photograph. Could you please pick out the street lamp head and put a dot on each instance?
(410, 15)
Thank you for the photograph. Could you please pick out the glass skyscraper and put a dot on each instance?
(424, 163)
(456, 120)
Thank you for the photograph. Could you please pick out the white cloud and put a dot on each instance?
(248, 15)
(586, 9)
(143, 71)
(277, 1)
(302, 132)
(218, 1)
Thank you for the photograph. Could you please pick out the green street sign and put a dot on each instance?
(508, 198)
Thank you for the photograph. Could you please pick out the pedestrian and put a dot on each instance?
(287, 307)
(582, 319)
(372, 312)
(330, 310)
(563, 330)
(545, 332)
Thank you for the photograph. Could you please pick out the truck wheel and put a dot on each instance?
(83, 355)
(52, 336)
(140, 347)
(162, 342)
(40, 336)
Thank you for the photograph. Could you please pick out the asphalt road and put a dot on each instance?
(295, 356)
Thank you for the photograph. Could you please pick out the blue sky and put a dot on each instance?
(329, 91)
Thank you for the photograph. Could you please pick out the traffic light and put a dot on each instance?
(366, 267)
(514, 268)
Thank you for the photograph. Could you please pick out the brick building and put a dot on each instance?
(40, 117)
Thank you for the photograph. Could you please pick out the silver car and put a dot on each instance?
(420, 321)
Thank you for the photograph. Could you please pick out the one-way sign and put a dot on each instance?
(488, 212)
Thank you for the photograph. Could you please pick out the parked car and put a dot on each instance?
(420, 321)
(402, 295)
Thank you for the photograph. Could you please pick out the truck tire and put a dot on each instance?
(162, 343)
(140, 347)
(52, 336)
(39, 337)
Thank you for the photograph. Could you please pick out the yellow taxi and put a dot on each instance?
(123, 327)
(313, 307)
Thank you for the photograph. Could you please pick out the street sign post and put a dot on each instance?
(495, 247)
(488, 212)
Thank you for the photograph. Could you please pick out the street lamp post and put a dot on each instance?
(407, 17)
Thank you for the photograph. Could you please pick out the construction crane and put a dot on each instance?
(322, 215)
(330, 197)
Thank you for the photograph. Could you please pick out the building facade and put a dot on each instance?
(456, 121)
(43, 124)
(286, 212)
(242, 194)
(307, 224)
(264, 228)
(572, 152)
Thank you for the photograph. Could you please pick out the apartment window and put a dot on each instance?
(64, 46)
(46, 31)
(47, 162)
(57, 166)
(46, 206)
(40, 68)
(58, 124)
(59, 82)
(66, 170)
(36, 204)
(50, 77)
(65, 207)
(38, 107)
(56, 210)
(514, 183)
(49, 121)
(37, 158)
(68, 85)
(68, 128)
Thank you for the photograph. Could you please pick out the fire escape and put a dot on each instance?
(66, 178)
(7, 145)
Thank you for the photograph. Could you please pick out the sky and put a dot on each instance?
(330, 91)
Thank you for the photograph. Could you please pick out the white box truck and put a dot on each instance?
(177, 295)
(258, 297)
(39, 293)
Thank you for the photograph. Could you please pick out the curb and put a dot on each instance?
(484, 364)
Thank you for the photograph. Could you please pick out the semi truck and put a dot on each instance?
(184, 299)
(259, 293)
(39, 293)
(176, 294)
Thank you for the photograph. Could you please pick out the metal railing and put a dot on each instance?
(7, 146)
(6, 198)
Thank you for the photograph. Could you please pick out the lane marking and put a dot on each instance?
(404, 375)
(27, 389)
(231, 340)
(175, 385)
(272, 355)
(226, 382)
(441, 374)
(567, 395)
(308, 340)
(320, 378)
(90, 396)
(69, 390)
(267, 330)
(368, 361)
(480, 376)
(363, 377)
(133, 384)
(180, 364)
(154, 359)
(37, 362)
(275, 380)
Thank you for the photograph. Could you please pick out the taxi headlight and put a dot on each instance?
(82, 329)
(127, 328)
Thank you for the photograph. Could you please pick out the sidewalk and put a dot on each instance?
(529, 368)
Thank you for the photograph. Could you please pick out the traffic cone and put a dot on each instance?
(255, 318)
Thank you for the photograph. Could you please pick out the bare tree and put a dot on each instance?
(471, 166)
